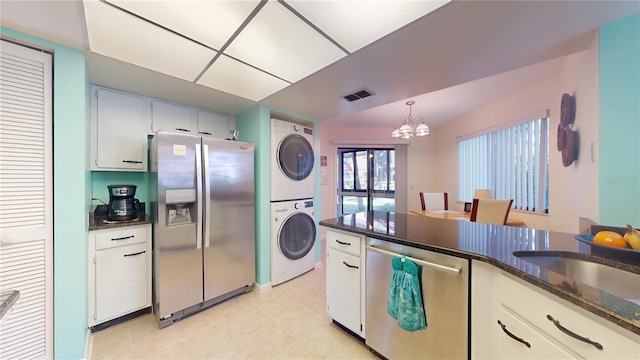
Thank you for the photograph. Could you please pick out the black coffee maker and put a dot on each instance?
(122, 204)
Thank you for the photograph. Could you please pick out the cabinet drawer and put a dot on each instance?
(534, 344)
(344, 242)
(120, 237)
(535, 307)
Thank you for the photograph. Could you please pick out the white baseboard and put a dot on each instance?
(261, 288)
(318, 265)
(88, 345)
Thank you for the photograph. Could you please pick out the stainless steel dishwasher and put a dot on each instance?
(445, 296)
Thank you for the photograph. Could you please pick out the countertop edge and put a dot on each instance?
(584, 304)
(95, 227)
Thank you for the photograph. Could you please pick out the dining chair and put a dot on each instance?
(491, 211)
(483, 194)
(434, 201)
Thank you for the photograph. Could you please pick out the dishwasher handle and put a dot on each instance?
(450, 269)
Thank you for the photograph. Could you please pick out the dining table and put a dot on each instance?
(460, 216)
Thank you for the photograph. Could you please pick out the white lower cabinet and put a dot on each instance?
(343, 296)
(345, 280)
(119, 272)
(512, 338)
(582, 334)
(526, 313)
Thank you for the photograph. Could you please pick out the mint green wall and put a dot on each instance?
(620, 123)
(70, 191)
(255, 127)
(101, 179)
(252, 128)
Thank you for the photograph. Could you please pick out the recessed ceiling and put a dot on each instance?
(356, 24)
(118, 34)
(250, 49)
(452, 56)
(209, 22)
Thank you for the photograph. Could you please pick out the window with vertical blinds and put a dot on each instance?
(513, 162)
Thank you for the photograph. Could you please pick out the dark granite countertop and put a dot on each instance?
(495, 244)
(101, 223)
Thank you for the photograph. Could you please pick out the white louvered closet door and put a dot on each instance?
(26, 212)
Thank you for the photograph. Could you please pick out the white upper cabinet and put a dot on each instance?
(120, 123)
(174, 118)
(212, 124)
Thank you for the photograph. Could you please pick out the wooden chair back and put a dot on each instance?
(483, 194)
(491, 211)
(434, 201)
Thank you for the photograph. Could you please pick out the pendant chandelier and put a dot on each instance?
(411, 126)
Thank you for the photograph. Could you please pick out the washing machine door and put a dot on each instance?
(295, 157)
(297, 236)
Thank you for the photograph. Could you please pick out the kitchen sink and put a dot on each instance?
(621, 283)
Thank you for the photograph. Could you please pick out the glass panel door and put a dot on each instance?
(366, 180)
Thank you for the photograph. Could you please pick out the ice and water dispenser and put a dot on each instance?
(180, 205)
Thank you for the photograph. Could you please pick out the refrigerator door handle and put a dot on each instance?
(207, 196)
(199, 201)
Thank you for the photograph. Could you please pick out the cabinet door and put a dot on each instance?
(212, 124)
(122, 124)
(343, 289)
(121, 280)
(174, 118)
(532, 345)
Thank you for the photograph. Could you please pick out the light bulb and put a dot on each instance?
(406, 129)
(422, 130)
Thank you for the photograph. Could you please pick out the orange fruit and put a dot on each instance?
(610, 238)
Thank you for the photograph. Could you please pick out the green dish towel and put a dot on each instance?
(404, 300)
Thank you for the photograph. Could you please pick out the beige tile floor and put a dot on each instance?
(287, 322)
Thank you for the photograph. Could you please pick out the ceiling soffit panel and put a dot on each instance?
(234, 77)
(122, 36)
(209, 22)
(355, 24)
(280, 43)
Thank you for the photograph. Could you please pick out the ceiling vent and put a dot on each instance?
(360, 94)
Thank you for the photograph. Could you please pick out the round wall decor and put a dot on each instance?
(569, 146)
(567, 141)
(567, 109)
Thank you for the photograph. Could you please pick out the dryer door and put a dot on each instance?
(297, 236)
(295, 157)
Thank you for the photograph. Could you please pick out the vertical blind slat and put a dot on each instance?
(512, 162)
(532, 164)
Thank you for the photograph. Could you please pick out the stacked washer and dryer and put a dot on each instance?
(293, 229)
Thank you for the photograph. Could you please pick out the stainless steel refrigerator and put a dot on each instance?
(203, 201)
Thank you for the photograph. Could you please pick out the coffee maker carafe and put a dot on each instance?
(122, 204)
